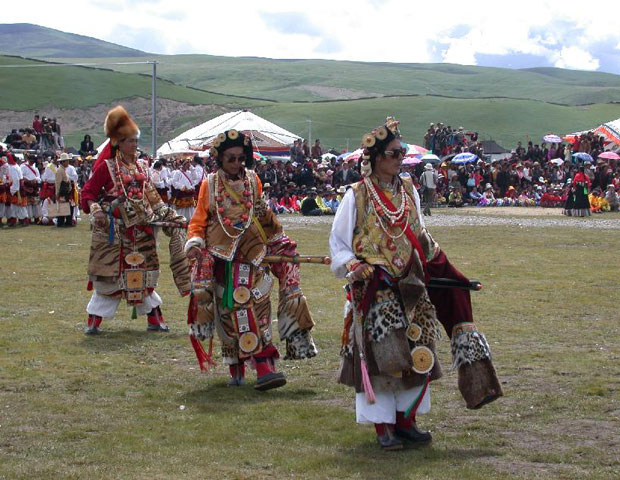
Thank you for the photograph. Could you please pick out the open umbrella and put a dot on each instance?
(583, 156)
(609, 156)
(258, 156)
(411, 161)
(557, 161)
(552, 138)
(465, 158)
(414, 150)
(430, 158)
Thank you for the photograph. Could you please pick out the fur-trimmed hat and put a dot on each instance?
(118, 125)
(233, 138)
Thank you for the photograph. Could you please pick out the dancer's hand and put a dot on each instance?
(194, 254)
(361, 272)
(99, 219)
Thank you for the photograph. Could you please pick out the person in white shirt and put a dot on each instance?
(74, 177)
(32, 184)
(17, 209)
(183, 191)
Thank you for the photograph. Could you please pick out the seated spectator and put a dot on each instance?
(455, 197)
(87, 147)
(309, 206)
(475, 195)
(612, 198)
(29, 140)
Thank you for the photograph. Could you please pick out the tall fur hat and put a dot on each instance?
(118, 125)
(233, 138)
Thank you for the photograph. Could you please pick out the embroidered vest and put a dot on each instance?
(249, 246)
(371, 243)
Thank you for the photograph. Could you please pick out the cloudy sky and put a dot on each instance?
(567, 34)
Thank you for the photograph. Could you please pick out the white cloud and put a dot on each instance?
(576, 58)
(368, 30)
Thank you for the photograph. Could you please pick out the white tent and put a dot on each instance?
(267, 138)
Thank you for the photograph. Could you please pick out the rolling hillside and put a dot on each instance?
(28, 40)
(321, 80)
(341, 99)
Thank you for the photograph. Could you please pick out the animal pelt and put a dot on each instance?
(469, 347)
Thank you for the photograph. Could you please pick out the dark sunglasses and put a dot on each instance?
(233, 158)
(398, 152)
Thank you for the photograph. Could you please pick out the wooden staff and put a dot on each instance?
(451, 283)
(319, 259)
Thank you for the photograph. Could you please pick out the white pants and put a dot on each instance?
(34, 211)
(106, 306)
(187, 212)
(387, 403)
(17, 212)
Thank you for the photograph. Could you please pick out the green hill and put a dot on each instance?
(322, 80)
(28, 40)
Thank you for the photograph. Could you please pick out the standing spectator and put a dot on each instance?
(64, 193)
(429, 183)
(317, 151)
(37, 126)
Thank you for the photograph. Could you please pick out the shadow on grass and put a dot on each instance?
(110, 340)
(220, 394)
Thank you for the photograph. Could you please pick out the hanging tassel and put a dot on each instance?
(370, 394)
(89, 286)
(134, 313)
(203, 357)
(192, 309)
(227, 297)
(111, 233)
(413, 408)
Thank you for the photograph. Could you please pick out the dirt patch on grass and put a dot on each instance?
(91, 119)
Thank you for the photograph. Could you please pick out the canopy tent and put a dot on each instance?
(609, 130)
(267, 138)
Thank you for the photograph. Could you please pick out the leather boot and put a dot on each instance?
(386, 438)
(92, 325)
(267, 377)
(237, 375)
(155, 321)
(406, 429)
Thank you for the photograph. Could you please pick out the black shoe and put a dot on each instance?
(413, 435)
(162, 327)
(92, 331)
(389, 441)
(270, 380)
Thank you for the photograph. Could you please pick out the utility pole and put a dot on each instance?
(309, 130)
(154, 109)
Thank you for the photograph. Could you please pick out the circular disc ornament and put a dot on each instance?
(423, 359)
(241, 295)
(134, 259)
(414, 332)
(248, 342)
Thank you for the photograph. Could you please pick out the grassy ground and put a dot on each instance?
(132, 404)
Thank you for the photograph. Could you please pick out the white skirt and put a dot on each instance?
(388, 403)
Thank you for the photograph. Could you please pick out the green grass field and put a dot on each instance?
(132, 404)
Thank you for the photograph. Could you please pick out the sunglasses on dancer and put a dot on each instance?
(396, 153)
(235, 158)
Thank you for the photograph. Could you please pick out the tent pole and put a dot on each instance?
(154, 110)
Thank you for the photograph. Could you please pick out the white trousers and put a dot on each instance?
(384, 409)
(106, 306)
(15, 211)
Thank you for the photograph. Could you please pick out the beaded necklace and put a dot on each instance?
(123, 180)
(394, 218)
(221, 192)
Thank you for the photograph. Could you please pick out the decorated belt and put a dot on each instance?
(260, 290)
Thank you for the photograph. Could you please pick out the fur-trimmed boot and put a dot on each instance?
(237, 375)
(155, 321)
(267, 377)
(92, 325)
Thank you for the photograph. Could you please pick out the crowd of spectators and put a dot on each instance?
(531, 174)
(44, 134)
